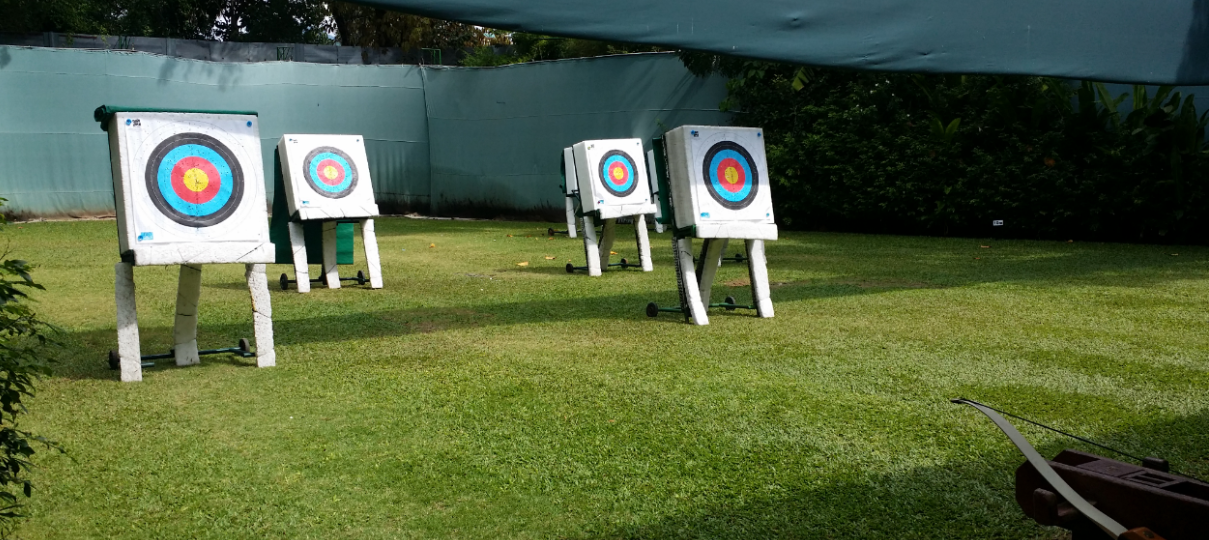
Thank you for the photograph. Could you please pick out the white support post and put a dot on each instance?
(591, 251)
(184, 329)
(652, 173)
(644, 243)
(570, 216)
(707, 266)
(757, 267)
(608, 233)
(724, 242)
(262, 314)
(370, 239)
(302, 272)
(128, 323)
(331, 272)
(571, 181)
(684, 258)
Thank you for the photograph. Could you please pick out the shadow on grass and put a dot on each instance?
(85, 352)
(974, 499)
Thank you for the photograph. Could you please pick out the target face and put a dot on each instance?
(731, 177)
(330, 172)
(194, 180)
(618, 174)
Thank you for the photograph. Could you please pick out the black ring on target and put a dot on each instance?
(333, 161)
(617, 159)
(212, 155)
(731, 157)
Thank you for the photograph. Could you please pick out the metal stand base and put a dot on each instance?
(571, 268)
(244, 350)
(285, 280)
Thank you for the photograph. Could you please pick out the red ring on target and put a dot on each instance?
(322, 168)
(180, 173)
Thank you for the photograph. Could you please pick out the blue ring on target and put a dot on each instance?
(606, 163)
(737, 200)
(736, 196)
(164, 175)
(310, 166)
(158, 179)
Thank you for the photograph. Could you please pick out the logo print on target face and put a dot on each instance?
(731, 177)
(330, 172)
(618, 174)
(194, 179)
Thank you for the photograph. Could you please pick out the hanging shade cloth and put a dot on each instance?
(1163, 42)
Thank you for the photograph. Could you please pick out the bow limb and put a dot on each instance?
(1107, 524)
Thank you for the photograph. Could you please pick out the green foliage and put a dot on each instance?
(22, 362)
(931, 154)
(537, 47)
(292, 21)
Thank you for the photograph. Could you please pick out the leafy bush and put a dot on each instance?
(947, 154)
(23, 339)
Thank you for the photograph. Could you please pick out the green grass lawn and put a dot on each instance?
(475, 398)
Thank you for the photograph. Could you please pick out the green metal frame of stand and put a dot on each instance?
(243, 350)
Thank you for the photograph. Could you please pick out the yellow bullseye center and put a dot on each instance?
(330, 172)
(732, 175)
(196, 180)
(618, 173)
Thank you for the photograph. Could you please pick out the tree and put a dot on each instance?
(23, 338)
(363, 26)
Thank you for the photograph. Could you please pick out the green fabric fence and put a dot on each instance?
(492, 141)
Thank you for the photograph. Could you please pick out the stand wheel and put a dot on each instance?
(285, 282)
(738, 257)
(570, 268)
(115, 361)
(360, 277)
(652, 310)
(730, 300)
(550, 231)
(244, 346)
(624, 263)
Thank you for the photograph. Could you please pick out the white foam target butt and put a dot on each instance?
(327, 176)
(190, 188)
(612, 178)
(719, 181)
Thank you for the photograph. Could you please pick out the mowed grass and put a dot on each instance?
(475, 398)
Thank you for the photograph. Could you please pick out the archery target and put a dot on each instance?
(730, 175)
(611, 180)
(719, 181)
(326, 176)
(194, 179)
(190, 187)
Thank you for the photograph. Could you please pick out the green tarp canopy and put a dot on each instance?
(1164, 42)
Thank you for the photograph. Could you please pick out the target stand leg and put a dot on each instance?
(570, 214)
(608, 233)
(707, 265)
(184, 328)
(724, 242)
(131, 362)
(370, 239)
(331, 272)
(302, 273)
(591, 250)
(644, 243)
(262, 314)
(692, 294)
(757, 268)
